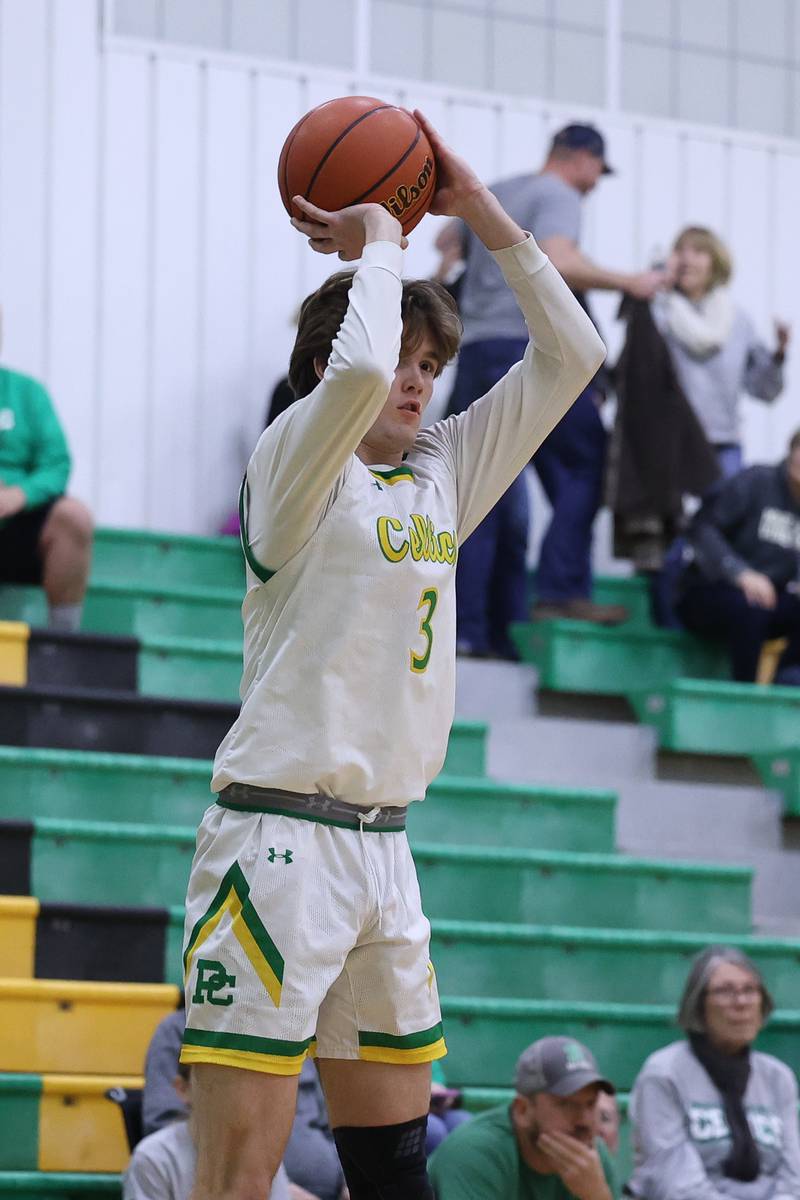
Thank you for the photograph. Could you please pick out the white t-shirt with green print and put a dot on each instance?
(349, 617)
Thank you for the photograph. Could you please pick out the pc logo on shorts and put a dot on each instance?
(212, 978)
(286, 856)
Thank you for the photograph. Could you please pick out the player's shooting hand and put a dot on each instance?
(758, 589)
(578, 1165)
(12, 501)
(347, 231)
(456, 182)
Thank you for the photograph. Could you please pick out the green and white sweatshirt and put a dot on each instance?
(681, 1138)
(33, 449)
(349, 618)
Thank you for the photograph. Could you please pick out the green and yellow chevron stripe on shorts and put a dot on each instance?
(420, 1047)
(233, 897)
(270, 1055)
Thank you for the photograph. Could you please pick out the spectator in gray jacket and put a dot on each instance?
(712, 1117)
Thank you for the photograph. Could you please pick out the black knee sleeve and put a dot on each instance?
(385, 1162)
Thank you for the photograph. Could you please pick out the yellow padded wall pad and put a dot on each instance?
(18, 935)
(79, 1128)
(14, 636)
(50, 1026)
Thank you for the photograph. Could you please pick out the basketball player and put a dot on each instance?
(305, 932)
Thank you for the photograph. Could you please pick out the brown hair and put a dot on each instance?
(794, 441)
(703, 239)
(426, 308)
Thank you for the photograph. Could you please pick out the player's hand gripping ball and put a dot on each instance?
(358, 150)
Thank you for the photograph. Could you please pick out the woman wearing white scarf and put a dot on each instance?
(714, 346)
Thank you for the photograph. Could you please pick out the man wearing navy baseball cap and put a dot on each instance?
(583, 137)
(544, 1145)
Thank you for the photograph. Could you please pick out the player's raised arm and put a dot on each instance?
(349, 335)
(493, 440)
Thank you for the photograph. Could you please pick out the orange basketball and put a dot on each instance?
(358, 150)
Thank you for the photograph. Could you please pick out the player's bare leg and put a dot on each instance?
(241, 1121)
(370, 1093)
(378, 1113)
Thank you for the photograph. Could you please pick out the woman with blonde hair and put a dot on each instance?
(714, 347)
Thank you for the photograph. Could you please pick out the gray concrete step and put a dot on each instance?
(487, 689)
(669, 806)
(697, 820)
(563, 750)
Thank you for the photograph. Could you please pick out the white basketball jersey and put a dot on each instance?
(349, 618)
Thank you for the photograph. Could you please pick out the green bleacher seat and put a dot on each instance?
(721, 718)
(178, 560)
(485, 1037)
(40, 1185)
(615, 965)
(578, 656)
(741, 719)
(116, 863)
(607, 891)
(139, 788)
(139, 610)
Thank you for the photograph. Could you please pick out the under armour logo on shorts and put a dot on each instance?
(273, 854)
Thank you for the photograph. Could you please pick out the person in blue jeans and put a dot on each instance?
(491, 575)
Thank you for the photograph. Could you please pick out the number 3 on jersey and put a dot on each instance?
(428, 601)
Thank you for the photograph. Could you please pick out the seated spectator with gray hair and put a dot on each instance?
(544, 1145)
(712, 1117)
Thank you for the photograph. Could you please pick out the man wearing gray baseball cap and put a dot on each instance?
(543, 1146)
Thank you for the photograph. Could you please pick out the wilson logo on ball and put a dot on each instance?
(407, 195)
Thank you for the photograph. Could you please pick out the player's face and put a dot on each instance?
(396, 428)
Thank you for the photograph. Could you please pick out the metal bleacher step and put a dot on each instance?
(48, 940)
(123, 864)
(125, 723)
(81, 785)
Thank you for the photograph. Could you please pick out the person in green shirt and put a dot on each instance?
(543, 1146)
(45, 536)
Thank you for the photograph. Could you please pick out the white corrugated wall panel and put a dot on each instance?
(71, 295)
(150, 275)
